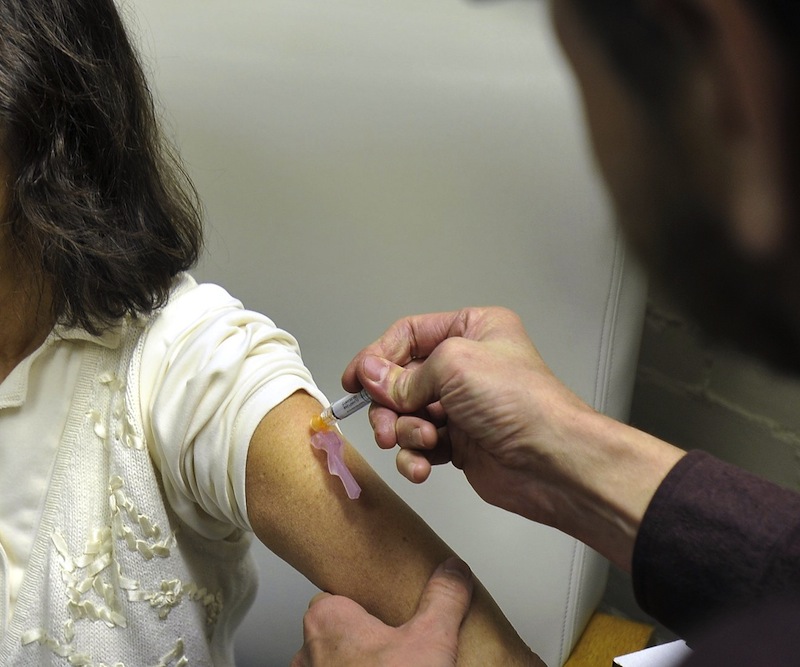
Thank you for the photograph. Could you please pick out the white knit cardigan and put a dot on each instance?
(115, 579)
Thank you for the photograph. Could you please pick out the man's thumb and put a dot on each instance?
(447, 596)
(402, 389)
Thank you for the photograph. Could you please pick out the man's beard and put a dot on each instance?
(736, 300)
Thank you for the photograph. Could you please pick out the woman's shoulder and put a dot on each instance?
(187, 293)
(203, 318)
(194, 306)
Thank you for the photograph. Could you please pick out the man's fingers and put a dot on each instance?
(413, 465)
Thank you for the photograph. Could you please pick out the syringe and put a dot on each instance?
(340, 409)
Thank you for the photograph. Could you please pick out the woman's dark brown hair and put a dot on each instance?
(99, 206)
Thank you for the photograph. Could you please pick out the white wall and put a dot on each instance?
(364, 160)
(702, 397)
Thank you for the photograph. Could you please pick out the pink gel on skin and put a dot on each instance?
(330, 441)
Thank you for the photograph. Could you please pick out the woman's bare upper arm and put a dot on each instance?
(357, 548)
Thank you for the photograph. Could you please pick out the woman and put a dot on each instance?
(148, 425)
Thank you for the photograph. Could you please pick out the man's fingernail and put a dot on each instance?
(375, 369)
(457, 567)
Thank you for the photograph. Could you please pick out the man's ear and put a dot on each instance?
(741, 93)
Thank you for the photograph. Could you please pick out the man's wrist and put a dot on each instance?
(615, 471)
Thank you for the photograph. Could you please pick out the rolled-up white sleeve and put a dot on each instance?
(210, 371)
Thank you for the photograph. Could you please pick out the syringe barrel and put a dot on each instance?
(347, 405)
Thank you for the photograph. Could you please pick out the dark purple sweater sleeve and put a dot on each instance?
(714, 538)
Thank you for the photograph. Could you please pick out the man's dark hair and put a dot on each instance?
(640, 49)
(99, 207)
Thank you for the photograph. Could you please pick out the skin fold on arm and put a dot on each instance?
(375, 550)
